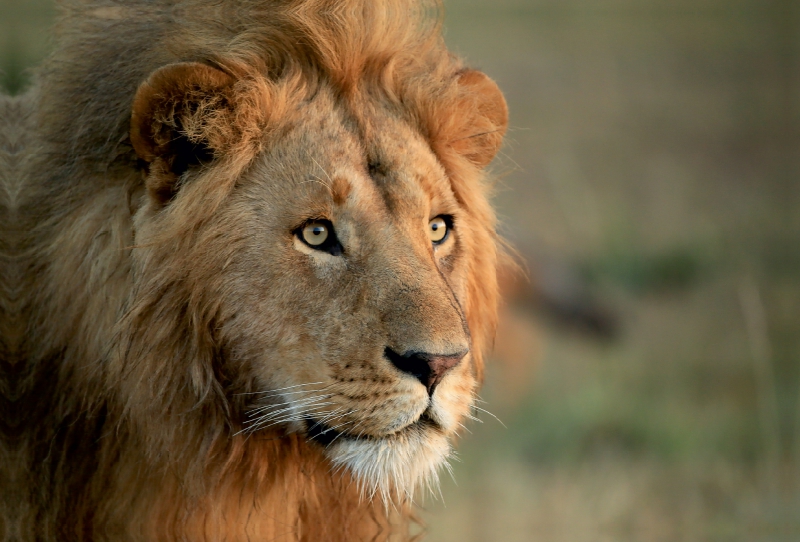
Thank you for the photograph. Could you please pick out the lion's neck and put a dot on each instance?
(275, 488)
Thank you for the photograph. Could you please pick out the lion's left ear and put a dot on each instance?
(181, 117)
(486, 113)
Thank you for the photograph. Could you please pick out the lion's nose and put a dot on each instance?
(427, 368)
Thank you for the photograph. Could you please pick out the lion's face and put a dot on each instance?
(359, 339)
(338, 267)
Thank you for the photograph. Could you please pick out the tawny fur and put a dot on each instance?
(14, 135)
(158, 313)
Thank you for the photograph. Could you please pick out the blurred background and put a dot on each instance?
(647, 373)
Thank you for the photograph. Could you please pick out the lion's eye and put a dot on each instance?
(438, 229)
(319, 234)
(315, 233)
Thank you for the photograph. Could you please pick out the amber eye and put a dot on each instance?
(437, 229)
(320, 235)
(315, 233)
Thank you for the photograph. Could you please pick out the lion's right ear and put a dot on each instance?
(484, 115)
(181, 117)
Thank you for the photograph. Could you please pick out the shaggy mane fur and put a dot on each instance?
(119, 377)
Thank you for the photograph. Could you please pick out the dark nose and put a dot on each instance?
(427, 368)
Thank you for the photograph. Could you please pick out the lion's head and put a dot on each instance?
(315, 254)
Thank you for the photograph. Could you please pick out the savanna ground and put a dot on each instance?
(653, 174)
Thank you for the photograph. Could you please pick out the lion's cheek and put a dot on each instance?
(453, 398)
(275, 350)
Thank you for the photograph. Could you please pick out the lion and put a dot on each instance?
(264, 268)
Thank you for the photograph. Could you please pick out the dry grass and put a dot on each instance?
(613, 500)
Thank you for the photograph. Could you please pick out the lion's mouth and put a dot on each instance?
(325, 435)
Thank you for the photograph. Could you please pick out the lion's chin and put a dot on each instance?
(390, 467)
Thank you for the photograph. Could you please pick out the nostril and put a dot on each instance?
(427, 368)
(412, 363)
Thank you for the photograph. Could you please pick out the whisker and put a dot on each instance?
(294, 409)
(337, 436)
(490, 414)
(284, 393)
(279, 389)
(327, 417)
(265, 424)
(297, 400)
(335, 427)
(323, 171)
(339, 418)
(331, 415)
(269, 410)
(317, 180)
(286, 416)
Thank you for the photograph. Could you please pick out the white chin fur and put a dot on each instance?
(394, 467)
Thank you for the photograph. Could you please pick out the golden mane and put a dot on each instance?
(388, 47)
(124, 388)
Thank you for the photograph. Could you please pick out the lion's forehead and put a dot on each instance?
(394, 160)
(371, 162)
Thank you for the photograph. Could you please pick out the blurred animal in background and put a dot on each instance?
(263, 269)
(537, 286)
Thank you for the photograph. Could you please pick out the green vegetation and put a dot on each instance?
(24, 25)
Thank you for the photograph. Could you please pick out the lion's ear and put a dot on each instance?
(487, 113)
(181, 116)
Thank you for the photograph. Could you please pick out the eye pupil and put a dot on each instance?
(315, 233)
